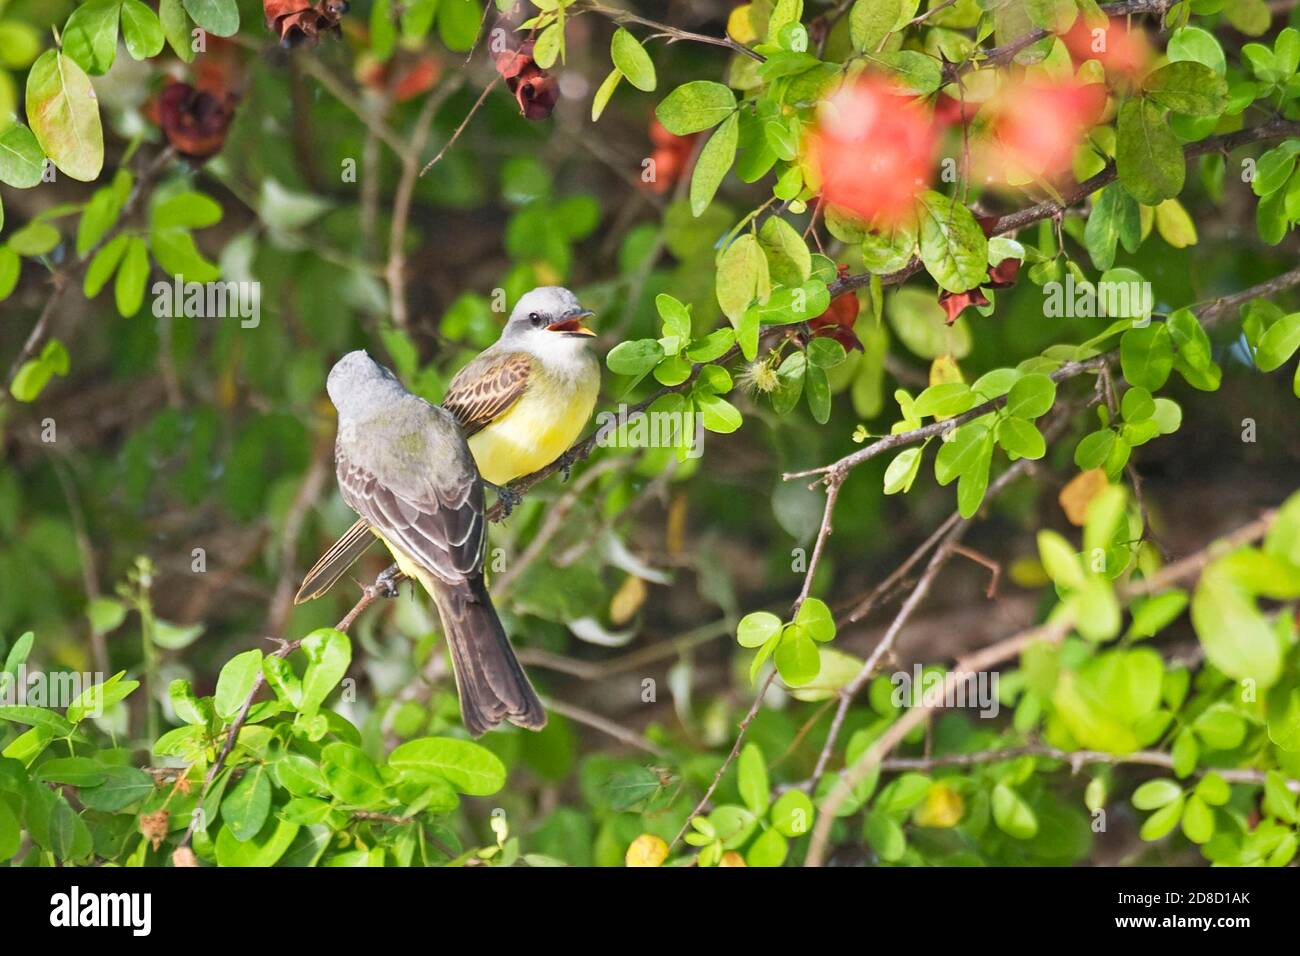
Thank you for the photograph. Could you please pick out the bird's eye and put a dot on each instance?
(534, 318)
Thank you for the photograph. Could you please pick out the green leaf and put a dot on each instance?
(715, 160)
(1156, 793)
(176, 27)
(944, 400)
(1031, 396)
(220, 17)
(757, 628)
(788, 259)
(885, 836)
(11, 267)
(1013, 816)
(235, 683)
(74, 771)
(37, 717)
(792, 814)
(752, 779)
(103, 264)
(1192, 89)
(902, 471)
(816, 620)
(1148, 158)
(1115, 217)
(603, 94)
(1236, 638)
(962, 452)
(911, 72)
(21, 159)
(742, 277)
(187, 210)
(470, 768)
(870, 21)
(128, 290)
(329, 652)
(632, 60)
(141, 30)
(248, 803)
(818, 389)
(187, 706)
(1198, 820)
(953, 246)
(64, 115)
(1147, 356)
(634, 357)
(351, 775)
(1278, 343)
(695, 106)
(797, 659)
(719, 415)
(1021, 438)
(769, 849)
(11, 836)
(90, 35)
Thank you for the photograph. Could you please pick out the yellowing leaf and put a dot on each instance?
(1079, 492)
(64, 114)
(627, 600)
(1175, 225)
(647, 850)
(942, 808)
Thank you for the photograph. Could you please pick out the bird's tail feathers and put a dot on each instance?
(492, 684)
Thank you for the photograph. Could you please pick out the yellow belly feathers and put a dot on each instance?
(535, 431)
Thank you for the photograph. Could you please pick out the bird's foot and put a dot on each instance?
(567, 461)
(386, 583)
(507, 497)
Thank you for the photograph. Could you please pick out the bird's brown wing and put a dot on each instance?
(335, 562)
(441, 527)
(484, 391)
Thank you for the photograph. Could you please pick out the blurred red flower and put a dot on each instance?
(1034, 128)
(874, 150)
(1124, 52)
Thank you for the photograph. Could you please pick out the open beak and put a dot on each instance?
(571, 324)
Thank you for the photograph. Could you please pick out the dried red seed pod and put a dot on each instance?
(536, 92)
(954, 303)
(194, 121)
(1003, 275)
(299, 23)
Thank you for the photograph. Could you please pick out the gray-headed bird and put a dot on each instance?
(404, 467)
(522, 403)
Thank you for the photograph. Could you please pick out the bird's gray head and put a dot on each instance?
(357, 382)
(547, 316)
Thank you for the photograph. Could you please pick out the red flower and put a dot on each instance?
(874, 150)
(954, 303)
(299, 23)
(535, 90)
(194, 121)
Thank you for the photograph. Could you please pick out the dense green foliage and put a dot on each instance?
(168, 472)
